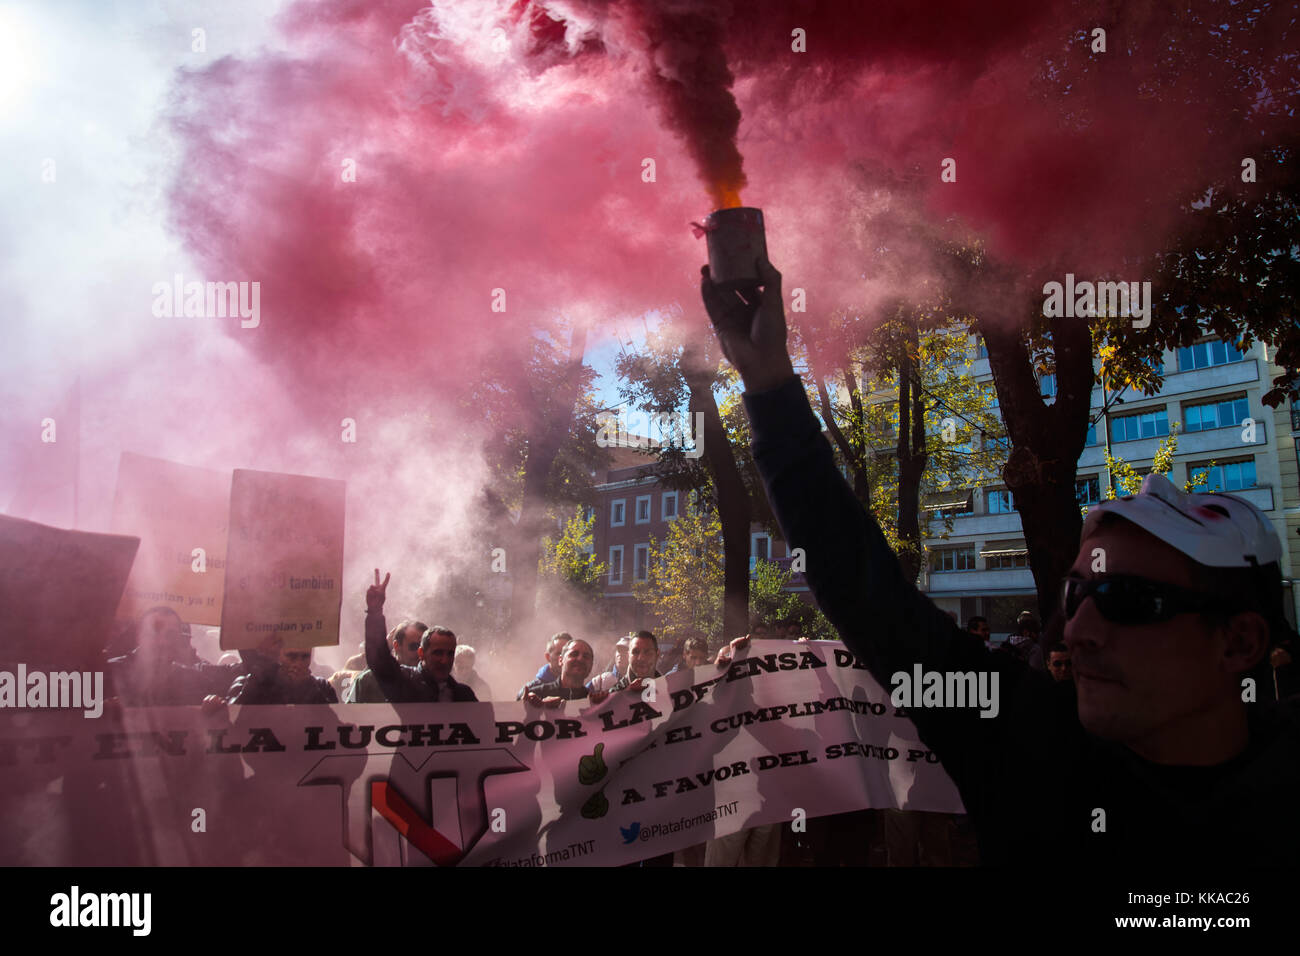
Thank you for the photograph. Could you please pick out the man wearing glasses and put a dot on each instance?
(431, 681)
(405, 643)
(1162, 754)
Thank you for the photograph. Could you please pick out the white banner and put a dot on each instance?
(787, 732)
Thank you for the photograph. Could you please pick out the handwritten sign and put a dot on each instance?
(179, 512)
(284, 569)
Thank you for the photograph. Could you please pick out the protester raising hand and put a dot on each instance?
(751, 327)
(725, 653)
(376, 593)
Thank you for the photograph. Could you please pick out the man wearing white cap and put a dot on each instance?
(1161, 755)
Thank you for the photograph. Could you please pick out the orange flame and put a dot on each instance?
(725, 195)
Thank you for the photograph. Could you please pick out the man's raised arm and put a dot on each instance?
(851, 570)
(378, 657)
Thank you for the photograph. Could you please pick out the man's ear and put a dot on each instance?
(1247, 641)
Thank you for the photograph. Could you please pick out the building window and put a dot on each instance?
(1153, 424)
(981, 348)
(1219, 414)
(616, 564)
(760, 549)
(1092, 435)
(1002, 557)
(1229, 476)
(617, 513)
(1000, 501)
(669, 505)
(1047, 385)
(642, 509)
(950, 504)
(952, 559)
(1295, 416)
(641, 562)
(1207, 354)
(1087, 491)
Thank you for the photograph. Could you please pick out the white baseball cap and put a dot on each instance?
(1216, 530)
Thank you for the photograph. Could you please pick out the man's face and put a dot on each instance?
(1059, 665)
(620, 658)
(1138, 681)
(645, 654)
(295, 664)
(464, 664)
(981, 630)
(695, 657)
(576, 663)
(162, 637)
(439, 655)
(406, 646)
(554, 651)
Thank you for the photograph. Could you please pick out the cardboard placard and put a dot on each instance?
(58, 591)
(176, 510)
(284, 568)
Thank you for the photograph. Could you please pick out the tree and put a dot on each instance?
(1126, 477)
(567, 557)
(683, 587)
(771, 603)
(676, 369)
(1229, 269)
(540, 404)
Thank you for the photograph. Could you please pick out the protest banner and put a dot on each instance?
(782, 735)
(179, 513)
(58, 591)
(284, 567)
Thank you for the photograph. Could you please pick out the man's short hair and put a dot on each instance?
(695, 644)
(464, 650)
(1057, 649)
(563, 637)
(433, 632)
(646, 635)
(974, 620)
(624, 641)
(400, 629)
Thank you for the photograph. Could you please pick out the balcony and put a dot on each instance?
(1012, 580)
(994, 525)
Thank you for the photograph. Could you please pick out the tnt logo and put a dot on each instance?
(400, 792)
(630, 833)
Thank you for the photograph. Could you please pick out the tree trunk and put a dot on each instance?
(732, 496)
(911, 452)
(1046, 442)
(556, 419)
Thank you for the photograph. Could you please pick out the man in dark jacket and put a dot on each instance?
(163, 670)
(643, 656)
(431, 680)
(1155, 757)
(291, 682)
(576, 663)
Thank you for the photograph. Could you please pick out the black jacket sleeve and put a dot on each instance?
(860, 587)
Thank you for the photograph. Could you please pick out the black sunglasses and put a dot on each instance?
(1127, 599)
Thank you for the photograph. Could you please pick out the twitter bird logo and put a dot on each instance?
(630, 833)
